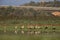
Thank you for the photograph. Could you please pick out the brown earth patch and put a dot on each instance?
(56, 13)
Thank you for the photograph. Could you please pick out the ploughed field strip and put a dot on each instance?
(30, 29)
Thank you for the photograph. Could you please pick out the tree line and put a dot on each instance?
(44, 4)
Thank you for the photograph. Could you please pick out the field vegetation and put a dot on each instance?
(28, 24)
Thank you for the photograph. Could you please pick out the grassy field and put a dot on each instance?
(47, 32)
(30, 37)
(27, 21)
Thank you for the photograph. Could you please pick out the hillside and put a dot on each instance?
(28, 13)
(16, 12)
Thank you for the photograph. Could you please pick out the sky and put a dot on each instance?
(18, 2)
